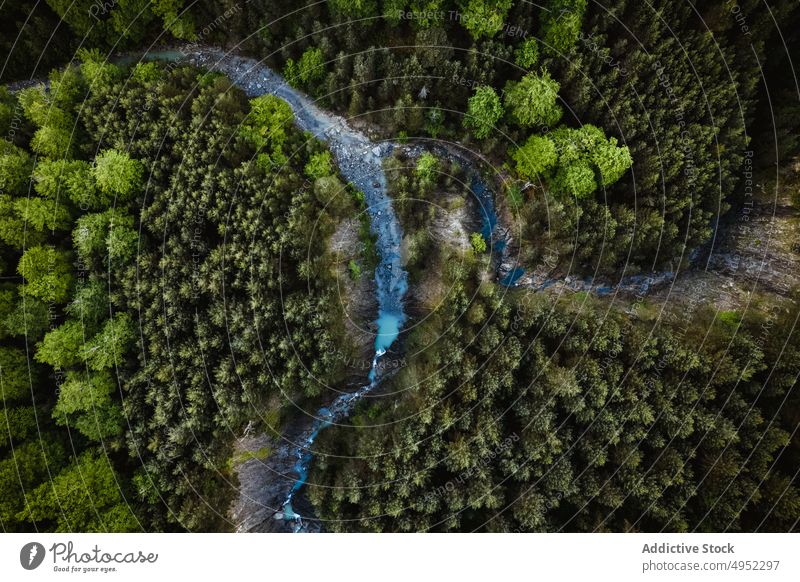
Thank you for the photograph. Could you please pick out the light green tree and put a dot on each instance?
(90, 304)
(575, 179)
(561, 25)
(47, 273)
(41, 214)
(122, 238)
(583, 150)
(478, 242)
(536, 157)
(319, 166)
(85, 403)
(12, 228)
(89, 236)
(71, 179)
(354, 8)
(28, 318)
(611, 160)
(53, 141)
(266, 128)
(15, 169)
(61, 347)
(533, 100)
(484, 110)
(307, 71)
(427, 168)
(108, 347)
(117, 175)
(483, 17)
(177, 20)
(527, 53)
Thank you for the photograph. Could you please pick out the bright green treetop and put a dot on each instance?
(536, 157)
(533, 100)
(47, 273)
(484, 17)
(483, 112)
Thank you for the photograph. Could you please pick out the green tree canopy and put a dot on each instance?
(61, 347)
(21, 472)
(478, 242)
(117, 175)
(28, 318)
(83, 497)
(90, 304)
(15, 169)
(483, 17)
(561, 25)
(307, 71)
(47, 273)
(585, 150)
(320, 165)
(266, 128)
(533, 100)
(354, 8)
(427, 167)
(574, 179)
(527, 53)
(484, 110)
(108, 347)
(16, 424)
(71, 179)
(84, 402)
(15, 379)
(536, 157)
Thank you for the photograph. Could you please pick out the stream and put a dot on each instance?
(360, 161)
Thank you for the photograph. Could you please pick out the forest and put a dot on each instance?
(528, 413)
(163, 291)
(169, 281)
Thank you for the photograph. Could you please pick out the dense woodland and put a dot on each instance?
(162, 287)
(685, 88)
(518, 413)
(166, 278)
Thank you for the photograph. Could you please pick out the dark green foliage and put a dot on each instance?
(32, 463)
(14, 376)
(16, 424)
(31, 28)
(175, 259)
(228, 252)
(101, 274)
(545, 417)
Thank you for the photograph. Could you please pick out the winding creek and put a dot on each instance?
(360, 161)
